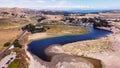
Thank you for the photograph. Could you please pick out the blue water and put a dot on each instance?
(37, 47)
(86, 11)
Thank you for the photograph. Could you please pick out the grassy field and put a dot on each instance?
(58, 30)
(13, 65)
(7, 35)
(9, 30)
(66, 30)
(10, 26)
(6, 23)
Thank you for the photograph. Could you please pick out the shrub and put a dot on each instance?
(7, 44)
(13, 65)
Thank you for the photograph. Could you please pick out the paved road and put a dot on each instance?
(7, 60)
(18, 38)
(21, 35)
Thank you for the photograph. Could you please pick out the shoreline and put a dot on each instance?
(61, 60)
(51, 33)
(112, 29)
(108, 58)
(34, 60)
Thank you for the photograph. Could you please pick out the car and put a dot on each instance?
(8, 61)
(11, 58)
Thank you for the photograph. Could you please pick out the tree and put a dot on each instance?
(40, 19)
(17, 44)
(84, 20)
(104, 23)
(91, 20)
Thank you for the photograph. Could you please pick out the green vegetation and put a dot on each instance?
(20, 61)
(17, 44)
(6, 44)
(34, 29)
(96, 21)
(13, 65)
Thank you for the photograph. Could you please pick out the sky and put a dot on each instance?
(62, 4)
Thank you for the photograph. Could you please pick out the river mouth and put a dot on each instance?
(38, 47)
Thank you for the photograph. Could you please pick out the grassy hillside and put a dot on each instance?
(6, 23)
(7, 35)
